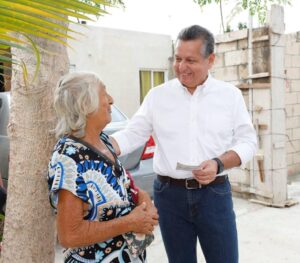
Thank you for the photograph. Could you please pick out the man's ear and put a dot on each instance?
(211, 59)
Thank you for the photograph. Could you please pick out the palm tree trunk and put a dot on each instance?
(29, 233)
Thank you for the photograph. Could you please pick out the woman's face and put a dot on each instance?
(102, 116)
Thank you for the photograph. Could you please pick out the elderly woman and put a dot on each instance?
(88, 186)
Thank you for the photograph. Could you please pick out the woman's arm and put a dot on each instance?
(74, 231)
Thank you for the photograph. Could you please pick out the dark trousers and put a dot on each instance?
(206, 214)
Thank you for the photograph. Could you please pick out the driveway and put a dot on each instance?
(266, 234)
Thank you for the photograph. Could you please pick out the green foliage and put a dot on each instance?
(260, 7)
(242, 26)
(100, 5)
(206, 2)
(255, 7)
(2, 217)
(228, 29)
(41, 18)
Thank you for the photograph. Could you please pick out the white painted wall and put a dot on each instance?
(117, 56)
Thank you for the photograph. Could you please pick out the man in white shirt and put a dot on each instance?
(202, 122)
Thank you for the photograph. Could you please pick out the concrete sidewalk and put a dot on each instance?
(266, 235)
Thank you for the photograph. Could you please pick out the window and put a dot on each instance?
(150, 79)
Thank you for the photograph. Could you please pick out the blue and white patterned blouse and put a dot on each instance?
(81, 169)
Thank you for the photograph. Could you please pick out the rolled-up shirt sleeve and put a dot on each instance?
(244, 136)
(138, 130)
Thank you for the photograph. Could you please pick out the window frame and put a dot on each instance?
(151, 70)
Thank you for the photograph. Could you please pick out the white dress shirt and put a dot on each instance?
(190, 128)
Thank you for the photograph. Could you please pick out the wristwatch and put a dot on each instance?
(220, 165)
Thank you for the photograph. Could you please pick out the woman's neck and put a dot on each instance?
(91, 136)
(92, 132)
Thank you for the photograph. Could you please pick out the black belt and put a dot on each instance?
(191, 183)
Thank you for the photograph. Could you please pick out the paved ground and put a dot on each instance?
(266, 235)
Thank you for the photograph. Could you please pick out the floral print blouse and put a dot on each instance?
(81, 169)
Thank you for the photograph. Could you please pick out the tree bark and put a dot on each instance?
(29, 232)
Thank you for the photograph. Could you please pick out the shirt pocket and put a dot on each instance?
(218, 127)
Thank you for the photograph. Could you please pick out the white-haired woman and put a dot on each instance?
(88, 186)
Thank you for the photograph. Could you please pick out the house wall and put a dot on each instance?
(254, 62)
(117, 56)
(231, 65)
(292, 100)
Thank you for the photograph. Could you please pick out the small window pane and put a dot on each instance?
(145, 83)
(158, 78)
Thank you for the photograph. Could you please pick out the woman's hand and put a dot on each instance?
(144, 197)
(142, 219)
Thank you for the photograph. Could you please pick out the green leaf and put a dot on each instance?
(32, 19)
(5, 67)
(7, 59)
(22, 26)
(38, 57)
(21, 29)
(74, 5)
(42, 18)
(12, 44)
(53, 7)
(12, 5)
(4, 34)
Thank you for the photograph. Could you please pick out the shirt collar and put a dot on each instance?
(207, 83)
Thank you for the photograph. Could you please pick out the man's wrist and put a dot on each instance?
(220, 165)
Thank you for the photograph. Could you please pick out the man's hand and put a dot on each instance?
(206, 172)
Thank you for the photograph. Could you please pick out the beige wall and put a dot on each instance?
(292, 100)
(231, 65)
(263, 88)
(117, 56)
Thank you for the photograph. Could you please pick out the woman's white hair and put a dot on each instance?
(75, 96)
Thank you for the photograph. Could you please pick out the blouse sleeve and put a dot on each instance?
(62, 174)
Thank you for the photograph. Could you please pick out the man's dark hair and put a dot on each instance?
(198, 32)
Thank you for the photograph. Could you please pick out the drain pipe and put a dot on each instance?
(250, 72)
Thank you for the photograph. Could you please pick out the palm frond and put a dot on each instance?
(42, 18)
